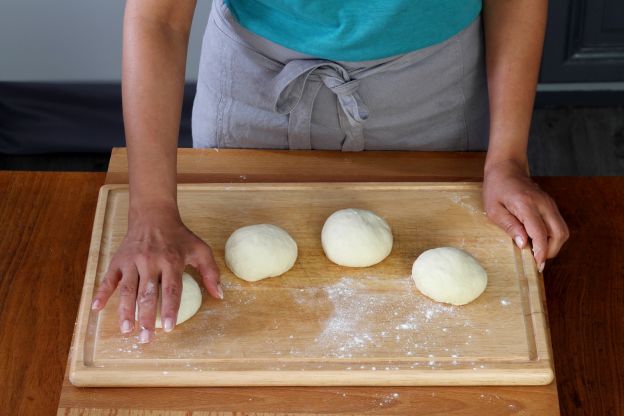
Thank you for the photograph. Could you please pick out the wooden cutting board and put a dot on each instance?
(323, 324)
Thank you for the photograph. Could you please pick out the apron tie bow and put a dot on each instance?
(294, 91)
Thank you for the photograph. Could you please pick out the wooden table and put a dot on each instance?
(47, 219)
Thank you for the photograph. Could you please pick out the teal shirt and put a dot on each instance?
(355, 30)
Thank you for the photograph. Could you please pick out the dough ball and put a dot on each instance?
(190, 301)
(449, 275)
(259, 251)
(356, 238)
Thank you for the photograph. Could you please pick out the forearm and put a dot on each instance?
(154, 58)
(514, 36)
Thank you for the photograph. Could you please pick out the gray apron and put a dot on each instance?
(253, 93)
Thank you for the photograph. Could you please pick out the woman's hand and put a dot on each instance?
(517, 205)
(157, 247)
(514, 36)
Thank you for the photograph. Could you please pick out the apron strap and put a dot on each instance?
(294, 91)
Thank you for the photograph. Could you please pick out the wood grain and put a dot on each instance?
(540, 400)
(344, 326)
(585, 291)
(583, 285)
(585, 318)
(45, 219)
(302, 401)
(242, 165)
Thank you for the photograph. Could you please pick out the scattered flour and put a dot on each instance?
(388, 400)
(351, 330)
(418, 332)
(461, 201)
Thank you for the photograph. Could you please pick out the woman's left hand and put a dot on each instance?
(516, 204)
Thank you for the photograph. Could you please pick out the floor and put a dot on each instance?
(565, 141)
(577, 141)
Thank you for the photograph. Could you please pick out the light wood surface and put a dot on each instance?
(322, 324)
(465, 400)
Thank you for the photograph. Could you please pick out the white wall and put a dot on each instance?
(72, 40)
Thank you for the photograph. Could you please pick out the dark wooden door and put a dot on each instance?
(584, 42)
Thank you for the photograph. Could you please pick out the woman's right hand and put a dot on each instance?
(156, 247)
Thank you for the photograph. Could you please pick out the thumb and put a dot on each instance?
(509, 223)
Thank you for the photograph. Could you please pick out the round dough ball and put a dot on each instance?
(449, 275)
(190, 301)
(259, 251)
(356, 238)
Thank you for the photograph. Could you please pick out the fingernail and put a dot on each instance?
(541, 267)
(126, 326)
(168, 326)
(96, 304)
(519, 241)
(220, 291)
(144, 336)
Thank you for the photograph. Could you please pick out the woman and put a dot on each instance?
(324, 74)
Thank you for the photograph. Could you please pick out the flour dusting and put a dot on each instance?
(461, 200)
(413, 326)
